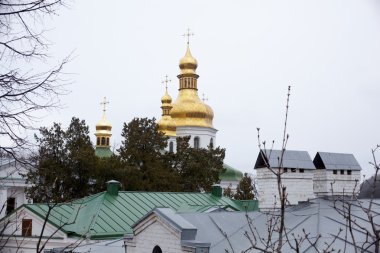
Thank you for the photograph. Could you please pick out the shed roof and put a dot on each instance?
(335, 161)
(103, 215)
(291, 159)
(316, 218)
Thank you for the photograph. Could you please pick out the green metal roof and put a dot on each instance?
(103, 216)
(103, 152)
(230, 174)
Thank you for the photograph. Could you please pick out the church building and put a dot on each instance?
(188, 115)
(103, 134)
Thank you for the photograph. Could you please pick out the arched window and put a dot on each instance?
(196, 142)
(108, 141)
(211, 143)
(98, 141)
(103, 141)
(157, 249)
(171, 147)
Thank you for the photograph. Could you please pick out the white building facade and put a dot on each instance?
(12, 186)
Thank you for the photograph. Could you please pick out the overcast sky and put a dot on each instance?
(248, 52)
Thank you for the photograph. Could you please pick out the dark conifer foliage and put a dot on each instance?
(66, 167)
(64, 163)
(244, 190)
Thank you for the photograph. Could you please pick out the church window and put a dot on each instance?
(98, 141)
(171, 147)
(11, 205)
(342, 172)
(348, 172)
(302, 170)
(335, 172)
(293, 169)
(157, 249)
(285, 170)
(211, 143)
(108, 141)
(103, 141)
(196, 142)
(26, 227)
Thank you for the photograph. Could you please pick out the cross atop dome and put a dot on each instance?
(104, 104)
(188, 34)
(166, 81)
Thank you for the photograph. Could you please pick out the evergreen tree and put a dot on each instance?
(244, 190)
(198, 168)
(142, 156)
(64, 164)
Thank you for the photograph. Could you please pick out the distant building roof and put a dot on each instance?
(335, 161)
(230, 174)
(103, 152)
(316, 218)
(291, 159)
(105, 215)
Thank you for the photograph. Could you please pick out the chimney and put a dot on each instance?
(216, 190)
(113, 187)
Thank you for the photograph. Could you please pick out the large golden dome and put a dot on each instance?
(166, 124)
(188, 109)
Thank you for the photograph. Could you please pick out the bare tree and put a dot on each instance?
(23, 91)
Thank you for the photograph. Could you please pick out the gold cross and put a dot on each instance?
(104, 103)
(188, 34)
(204, 97)
(166, 81)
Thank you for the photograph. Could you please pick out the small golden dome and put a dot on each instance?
(103, 127)
(166, 99)
(167, 125)
(188, 64)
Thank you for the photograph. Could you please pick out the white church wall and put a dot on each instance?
(156, 233)
(205, 134)
(299, 187)
(327, 183)
(174, 141)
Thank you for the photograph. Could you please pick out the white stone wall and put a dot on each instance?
(174, 140)
(12, 185)
(154, 232)
(17, 243)
(341, 183)
(299, 187)
(204, 134)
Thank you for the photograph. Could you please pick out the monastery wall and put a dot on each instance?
(327, 183)
(299, 187)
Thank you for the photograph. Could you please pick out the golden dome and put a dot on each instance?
(188, 109)
(166, 124)
(188, 64)
(103, 127)
(166, 98)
